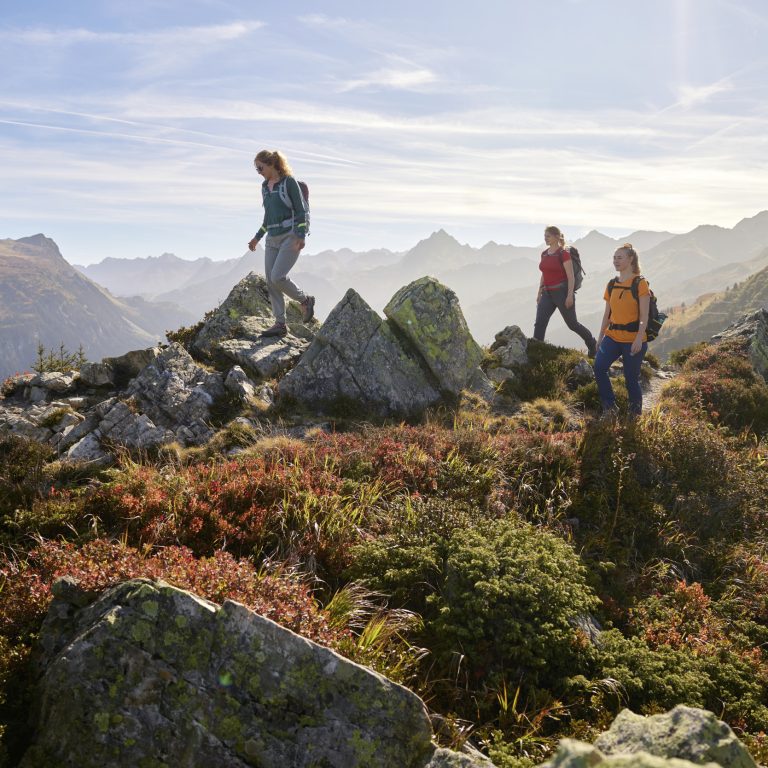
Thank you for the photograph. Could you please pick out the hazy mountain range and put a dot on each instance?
(44, 300)
(121, 304)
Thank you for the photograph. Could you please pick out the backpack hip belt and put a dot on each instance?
(635, 326)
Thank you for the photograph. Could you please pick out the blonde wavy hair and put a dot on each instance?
(633, 257)
(276, 159)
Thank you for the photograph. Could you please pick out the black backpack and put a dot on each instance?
(655, 318)
(578, 270)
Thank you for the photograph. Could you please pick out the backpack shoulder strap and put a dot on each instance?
(635, 289)
(611, 285)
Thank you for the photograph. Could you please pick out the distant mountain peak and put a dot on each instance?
(40, 241)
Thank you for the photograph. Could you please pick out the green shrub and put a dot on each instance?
(507, 600)
(498, 594)
(547, 373)
(680, 356)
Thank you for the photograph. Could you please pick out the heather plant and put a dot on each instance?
(721, 380)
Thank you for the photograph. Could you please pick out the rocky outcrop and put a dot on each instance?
(509, 353)
(394, 367)
(754, 329)
(356, 358)
(152, 675)
(232, 332)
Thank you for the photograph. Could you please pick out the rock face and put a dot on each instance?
(683, 732)
(754, 328)
(150, 675)
(356, 358)
(393, 367)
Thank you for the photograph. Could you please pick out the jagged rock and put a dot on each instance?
(89, 450)
(683, 732)
(175, 392)
(238, 383)
(754, 328)
(98, 374)
(15, 422)
(577, 754)
(16, 382)
(429, 316)
(582, 373)
(500, 375)
(355, 357)
(149, 675)
(244, 314)
(510, 347)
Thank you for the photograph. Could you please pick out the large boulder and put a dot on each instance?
(429, 316)
(357, 358)
(683, 732)
(152, 675)
(754, 329)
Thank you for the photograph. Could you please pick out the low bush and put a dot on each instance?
(546, 374)
(721, 380)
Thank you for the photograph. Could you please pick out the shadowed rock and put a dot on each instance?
(153, 675)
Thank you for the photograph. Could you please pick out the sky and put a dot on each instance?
(128, 129)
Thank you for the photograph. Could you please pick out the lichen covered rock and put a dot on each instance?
(356, 358)
(683, 732)
(150, 675)
(429, 316)
(576, 754)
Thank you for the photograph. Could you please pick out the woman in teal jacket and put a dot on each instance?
(285, 225)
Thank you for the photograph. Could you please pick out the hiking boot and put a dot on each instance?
(592, 348)
(307, 309)
(278, 329)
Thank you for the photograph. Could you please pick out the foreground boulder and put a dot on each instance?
(422, 353)
(680, 738)
(153, 675)
(683, 732)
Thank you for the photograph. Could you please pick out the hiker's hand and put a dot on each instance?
(253, 243)
(299, 244)
(569, 301)
(637, 345)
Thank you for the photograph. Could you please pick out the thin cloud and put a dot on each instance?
(171, 36)
(695, 95)
(397, 79)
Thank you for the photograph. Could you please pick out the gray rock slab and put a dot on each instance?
(152, 675)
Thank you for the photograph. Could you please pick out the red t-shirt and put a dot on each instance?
(551, 267)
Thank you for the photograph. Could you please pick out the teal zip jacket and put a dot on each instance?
(279, 217)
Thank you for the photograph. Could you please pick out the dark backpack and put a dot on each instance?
(655, 318)
(578, 270)
(282, 190)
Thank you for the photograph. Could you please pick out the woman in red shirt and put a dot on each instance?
(556, 290)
